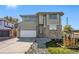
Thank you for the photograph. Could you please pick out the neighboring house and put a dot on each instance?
(42, 24)
(76, 34)
(6, 28)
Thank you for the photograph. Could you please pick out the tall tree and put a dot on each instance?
(11, 19)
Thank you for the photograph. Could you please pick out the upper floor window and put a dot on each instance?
(52, 16)
(30, 18)
(52, 27)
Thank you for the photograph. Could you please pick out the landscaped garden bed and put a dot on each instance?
(56, 47)
(54, 43)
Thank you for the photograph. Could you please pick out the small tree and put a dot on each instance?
(67, 29)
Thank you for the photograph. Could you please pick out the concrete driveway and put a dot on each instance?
(24, 45)
(4, 38)
(14, 46)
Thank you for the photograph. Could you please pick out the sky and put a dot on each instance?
(70, 11)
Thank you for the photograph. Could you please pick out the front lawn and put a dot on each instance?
(59, 50)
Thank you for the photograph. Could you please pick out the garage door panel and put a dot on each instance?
(4, 33)
(28, 33)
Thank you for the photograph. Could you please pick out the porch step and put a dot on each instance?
(43, 51)
(41, 42)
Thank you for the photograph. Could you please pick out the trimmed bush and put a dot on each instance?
(60, 50)
(54, 43)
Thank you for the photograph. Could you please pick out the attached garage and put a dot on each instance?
(28, 33)
(28, 26)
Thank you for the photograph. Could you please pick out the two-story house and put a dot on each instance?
(42, 24)
(5, 28)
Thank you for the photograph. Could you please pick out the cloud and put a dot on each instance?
(11, 6)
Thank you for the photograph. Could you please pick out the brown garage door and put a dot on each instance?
(4, 33)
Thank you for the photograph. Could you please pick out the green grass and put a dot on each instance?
(58, 50)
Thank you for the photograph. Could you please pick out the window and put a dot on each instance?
(52, 16)
(33, 19)
(52, 27)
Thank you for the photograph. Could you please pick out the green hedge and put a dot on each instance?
(58, 50)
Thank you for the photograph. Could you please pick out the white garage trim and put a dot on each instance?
(28, 33)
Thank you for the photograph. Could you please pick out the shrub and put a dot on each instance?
(59, 50)
(54, 43)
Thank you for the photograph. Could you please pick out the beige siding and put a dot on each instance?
(28, 25)
(40, 19)
(28, 19)
(48, 19)
(58, 19)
